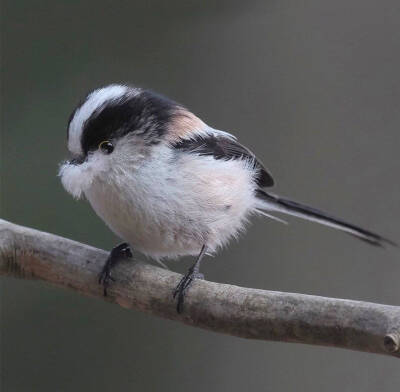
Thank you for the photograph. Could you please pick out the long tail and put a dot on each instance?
(271, 202)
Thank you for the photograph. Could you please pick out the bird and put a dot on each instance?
(168, 184)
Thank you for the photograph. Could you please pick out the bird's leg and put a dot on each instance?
(118, 253)
(187, 280)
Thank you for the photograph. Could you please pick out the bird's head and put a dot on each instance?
(116, 128)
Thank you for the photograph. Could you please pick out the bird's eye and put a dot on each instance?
(106, 147)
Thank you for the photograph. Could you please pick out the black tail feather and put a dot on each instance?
(303, 211)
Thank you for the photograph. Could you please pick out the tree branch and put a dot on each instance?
(256, 314)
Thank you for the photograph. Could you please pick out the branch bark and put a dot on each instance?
(248, 313)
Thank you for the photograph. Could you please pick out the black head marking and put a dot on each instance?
(139, 111)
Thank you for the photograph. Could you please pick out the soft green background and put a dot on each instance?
(313, 87)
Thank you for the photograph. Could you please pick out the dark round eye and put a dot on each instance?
(106, 146)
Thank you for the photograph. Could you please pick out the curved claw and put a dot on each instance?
(105, 278)
(121, 251)
(183, 286)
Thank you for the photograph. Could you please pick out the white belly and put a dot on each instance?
(170, 209)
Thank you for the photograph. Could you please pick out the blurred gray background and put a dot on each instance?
(313, 87)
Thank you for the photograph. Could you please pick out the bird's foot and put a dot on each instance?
(122, 251)
(183, 286)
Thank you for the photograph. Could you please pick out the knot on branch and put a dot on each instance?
(391, 342)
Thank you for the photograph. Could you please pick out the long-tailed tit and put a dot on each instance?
(167, 183)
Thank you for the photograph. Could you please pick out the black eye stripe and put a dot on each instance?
(146, 113)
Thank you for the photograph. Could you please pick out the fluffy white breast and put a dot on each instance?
(174, 203)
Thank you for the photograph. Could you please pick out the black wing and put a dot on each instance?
(223, 147)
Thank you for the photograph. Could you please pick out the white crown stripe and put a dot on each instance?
(93, 102)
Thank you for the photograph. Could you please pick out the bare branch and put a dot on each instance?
(248, 313)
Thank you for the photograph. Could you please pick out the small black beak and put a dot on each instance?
(77, 160)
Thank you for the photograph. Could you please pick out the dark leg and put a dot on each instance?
(188, 279)
(118, 253)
